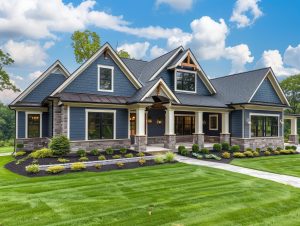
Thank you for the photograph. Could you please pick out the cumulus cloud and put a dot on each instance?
(6, 96)
(136, 50)
(245, 12)
(156, 51)
(34, 75)
(292, 56)
(179, 5)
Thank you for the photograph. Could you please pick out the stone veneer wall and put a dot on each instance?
(155, 140)
(100, 145)
(60, 119)
(32, 144)
(184, 138)
(258, 142)
(211, 139)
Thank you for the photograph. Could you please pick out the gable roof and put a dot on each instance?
(135, 66)
(114, 56)
(53, 68)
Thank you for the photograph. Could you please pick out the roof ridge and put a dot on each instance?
(259, 69)
(165, 53)
(124, 58)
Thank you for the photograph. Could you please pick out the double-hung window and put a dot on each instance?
(264, 126)
(33, 125)
(185, 81)
(105, 78)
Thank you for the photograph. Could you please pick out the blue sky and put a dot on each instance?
(227, 36)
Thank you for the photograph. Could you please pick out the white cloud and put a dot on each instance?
(156, 51)
(179, 5)
(34, 75)
(292, 56)
(6, 96)
(48, 45)
(136, 50)
(26, 53)
(243, 9)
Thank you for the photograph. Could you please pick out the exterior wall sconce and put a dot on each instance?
(248, 121)
(281, 121)
(204, 122)
(159, 121)
(149, 120)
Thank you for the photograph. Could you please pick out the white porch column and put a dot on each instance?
(198, 122)
(294, 126)
(140, 122)
(225, 123)
(170, 121)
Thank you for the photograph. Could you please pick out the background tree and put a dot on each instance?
(7, 123)
(291, 88)
(85, 44)
(124, 54)
(5, 82)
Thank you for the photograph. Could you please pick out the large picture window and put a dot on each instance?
(100, 125)
(185, 81)
(184, 125)
(213, 122)
(33, 125)
(264, 126)
(105, 78)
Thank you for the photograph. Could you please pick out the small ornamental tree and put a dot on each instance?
(60, 145)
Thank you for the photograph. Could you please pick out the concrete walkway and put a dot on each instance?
(283, 179)
(5, 154)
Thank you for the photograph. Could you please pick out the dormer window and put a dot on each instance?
(105, 78)
(185, 81)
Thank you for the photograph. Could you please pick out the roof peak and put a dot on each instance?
(259, 69)
(167, 53)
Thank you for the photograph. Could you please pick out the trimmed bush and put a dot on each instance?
(226, 155)
(181, 148)
(195, 148)
(287, 147)
(55, 169)
(142, 161)
(249, 149)
(123, 151)
(60, 145)
(116, 156)
(248, 153)
(269, 149)
(101, 157)
(293, 147)
(83, 159)
(98, 166)
(212, 156)
(20, 145)
(62, 160)
(217, 147)
(159, 160)
(235, 148)
(267, 153)
(43, 153)
(109, 151)
(129, 155)
(238, 155)
(258, 149)
(120, 164)
(169, 157)
(286, 152)
(20, 153)
(140, 154)
(255, 153)
(225, 146)
(276, 152)
(278, 149)
(95, 152)
(204, 151)
(77, 166)
(184, 152)
(81, 153)
(33, 168)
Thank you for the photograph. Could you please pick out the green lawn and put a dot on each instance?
(176, 194)
(6, 149)
(284, 164)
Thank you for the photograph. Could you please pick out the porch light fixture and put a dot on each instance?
(149, 120)
(281, 121)
(159, 121)
(249, 121)
(204, 122)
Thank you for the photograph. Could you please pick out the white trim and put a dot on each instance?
(68, 122)
(41, 78)
(165, 88)
(191, 115)
(99, 66)
(128, 124)
(262, 114)
(17, 123)
(117, 59)
(209, 124)
(26, 122)
(165, 64)
(101, 111)
(175, 81)
(243, 123)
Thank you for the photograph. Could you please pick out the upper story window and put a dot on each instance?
(105, 78)
(185, 81)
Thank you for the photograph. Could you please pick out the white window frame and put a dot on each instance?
(99, 111)
(175, 81)
(26, 123)
(262, 114)
(112, 78)
(209, 121)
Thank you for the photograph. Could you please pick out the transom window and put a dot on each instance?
(33, 125)
(185, 81)
(105, 78)
(100, 125)
(184, 125)
(213, 122)
(264, 126)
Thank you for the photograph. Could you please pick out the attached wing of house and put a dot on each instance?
(112, 101)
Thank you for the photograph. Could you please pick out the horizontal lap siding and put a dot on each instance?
(77, 123)
(153, 128)
(206, 125)
(266, 93)
(45, 123)
(21, 124)
(236, 123)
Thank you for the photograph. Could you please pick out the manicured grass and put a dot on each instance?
(175, 194)
(283, 164)
(6, 149)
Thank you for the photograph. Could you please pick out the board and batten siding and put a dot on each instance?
(236, 122)
(87, 81)
(266, 93)
(77, 123)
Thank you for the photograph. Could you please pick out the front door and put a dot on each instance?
(132, 120)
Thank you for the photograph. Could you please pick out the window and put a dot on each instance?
(184, 125)
(100, 125)
(33, 125)
(264, 126)
(213, 122)
(105, 78)
(185, 81)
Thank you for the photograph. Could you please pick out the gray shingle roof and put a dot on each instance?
(141, 92)
(177, 58)
(197, 100)
(135, 66)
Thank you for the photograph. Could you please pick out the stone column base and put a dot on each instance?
(199, 139)
(225, 137)
(140, 143)
(170, 142)
(294, 139)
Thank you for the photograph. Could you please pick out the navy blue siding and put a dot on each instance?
(206, 130)
(45, 88)
(87, 81)
(45, 123)
(153, 128)
(21, 124)
(50, 120)
(77, 123)
(266, 93)
(236, 121)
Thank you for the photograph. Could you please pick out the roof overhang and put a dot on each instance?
(258, 106)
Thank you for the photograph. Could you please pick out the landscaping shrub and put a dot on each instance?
(184, 152)
(77, 166)
(235, 148)
(204, 151)
(142, 161)
(169, 156)
(116, 156)
(248, 153)
(20, 153)
(43, 153)
(33, 168)
(35, 161)
(62, 160)
(129, 155)
(83, 159)
(286, 152)
(226, 155)
(267, 153)
(212, 156)
(60, 145)
(255, 153)
(20, 145)
(140, 154)
(278, 149)
(98, 166)
(109, 151)
(55, 169)
(217, 147)
(258, 149)
(199, 157)
(181, 148)
(120, 164)
(123, 151)
(159, 160)
(269, 149)
(81, 153)
(101, 157)
(195, 148)
(287, 147)
(225, 146)
(238, 155)
(95, 152)
(249, 149)
(276, 152)
(22, 160)
(293, 147)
